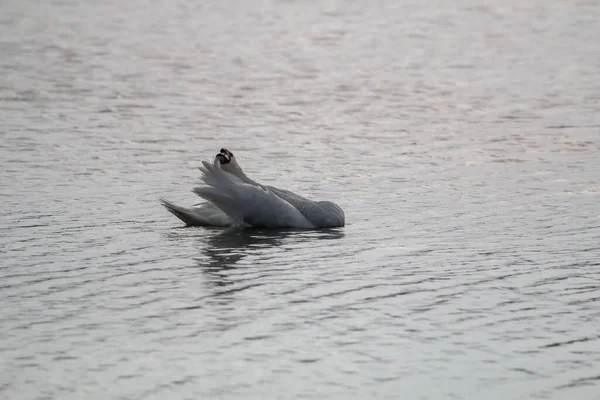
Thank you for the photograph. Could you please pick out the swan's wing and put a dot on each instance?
(288, 196)
(205, 215)
(245, 203)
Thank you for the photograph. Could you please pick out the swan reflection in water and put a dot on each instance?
(233, 261)
(224, 249)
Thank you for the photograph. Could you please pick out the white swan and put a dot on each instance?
(236, 200)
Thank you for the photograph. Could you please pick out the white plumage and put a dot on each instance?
(237, 201)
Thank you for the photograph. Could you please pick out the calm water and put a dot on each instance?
(461, 139)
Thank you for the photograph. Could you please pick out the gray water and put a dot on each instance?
(461, 138)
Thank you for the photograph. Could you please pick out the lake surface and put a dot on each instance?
(461, 138)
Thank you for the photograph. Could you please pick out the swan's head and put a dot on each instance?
(229, 163)
(225, 157)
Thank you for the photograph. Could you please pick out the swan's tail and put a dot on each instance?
(205, 215)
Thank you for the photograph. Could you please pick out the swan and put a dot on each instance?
(235, 200)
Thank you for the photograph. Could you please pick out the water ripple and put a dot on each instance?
(461, 141)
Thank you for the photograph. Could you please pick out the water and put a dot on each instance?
(460, 138)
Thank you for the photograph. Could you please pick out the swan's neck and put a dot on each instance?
(235, 169)
(246, 179)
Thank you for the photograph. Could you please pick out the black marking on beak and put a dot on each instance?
(226, 152)
(223, 158)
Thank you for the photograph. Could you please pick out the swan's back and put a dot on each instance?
(322, 214)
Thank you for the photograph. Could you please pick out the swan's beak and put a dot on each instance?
(226, 152)
(223, 158)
